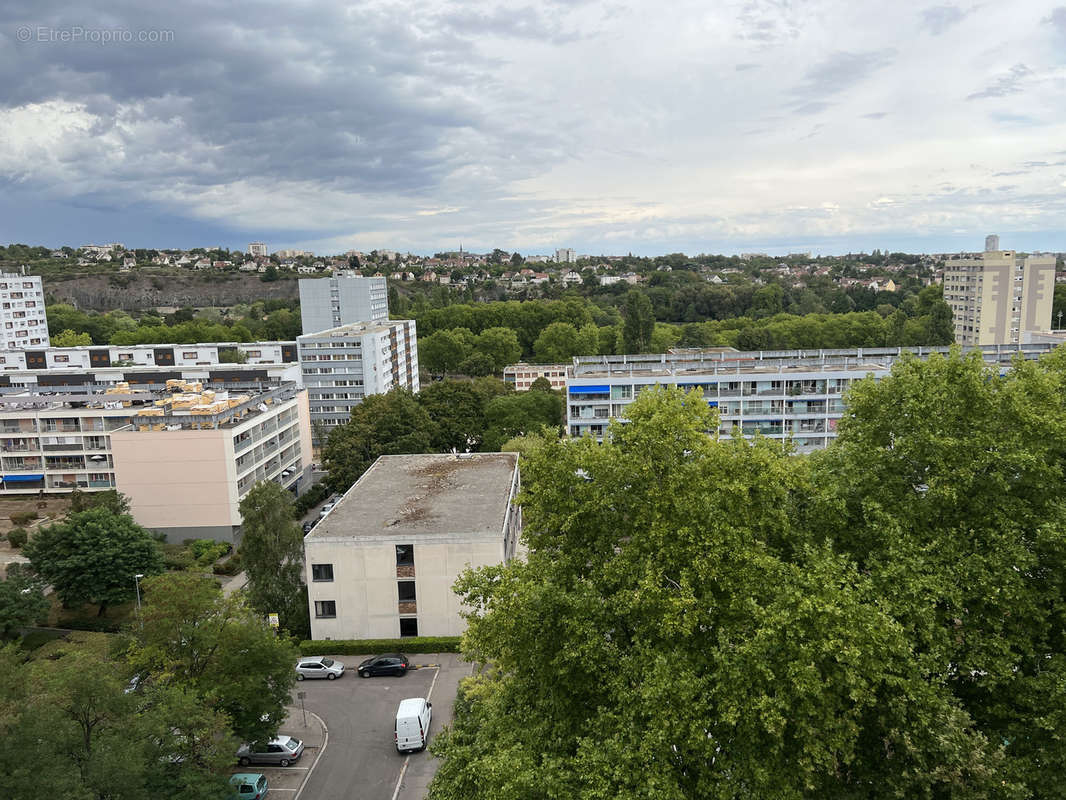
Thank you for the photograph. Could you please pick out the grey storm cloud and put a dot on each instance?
(1006, 84)
(361, 98)
(939, 19)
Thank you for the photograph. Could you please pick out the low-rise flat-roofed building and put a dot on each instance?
(522, 375)
(382, 562)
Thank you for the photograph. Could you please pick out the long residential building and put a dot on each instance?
(343, 365)
(997, 296)
(793, 394)
(183, 452)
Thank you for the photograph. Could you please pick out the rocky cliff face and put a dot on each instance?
(133, 292)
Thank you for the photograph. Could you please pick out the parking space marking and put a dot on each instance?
(407, 759)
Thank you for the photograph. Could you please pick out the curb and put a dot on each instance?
(325, 741)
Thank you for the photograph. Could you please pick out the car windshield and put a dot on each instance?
(293, 744)
(327, 662)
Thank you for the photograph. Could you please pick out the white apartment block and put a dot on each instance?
(998, 295)
(327, 303)
(149, 355)
(794, 394)
(185, 470)
(184, 465)
(522, 375)
(565, 255)
(258, 249)
(22, 312)
(382, 562)
(343, 365)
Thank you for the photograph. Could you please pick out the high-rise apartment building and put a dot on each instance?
(25, 325)
(998, 295)
(327, 303)
(258, 249)
(343, 365)
(565, 255)
(991, 243)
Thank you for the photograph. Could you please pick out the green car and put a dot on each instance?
(248, 786)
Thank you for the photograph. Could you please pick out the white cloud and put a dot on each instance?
(644, 127)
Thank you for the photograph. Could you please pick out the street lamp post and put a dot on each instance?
(137, 585)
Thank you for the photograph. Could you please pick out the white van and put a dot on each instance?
(412, 724)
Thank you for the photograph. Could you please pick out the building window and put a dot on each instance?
(321, 572)
(406, 591)
(62, 359)
(325, 608)
(405, 555)
(408, 627)
(255, 353)
(125, 356)
(189, 355)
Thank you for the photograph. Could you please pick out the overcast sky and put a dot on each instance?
(609, 127)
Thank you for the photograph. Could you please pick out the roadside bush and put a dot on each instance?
(207, 551)
(177, 558)
(23, 517)
(349, 647)
(18, 537)
(311, 498)
(231, 566)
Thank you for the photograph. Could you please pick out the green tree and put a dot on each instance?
(746, 658)
(68, 338)
(271, 552)
(442, 352)
(945, 488)
(557, 343)
(92, 556)
(22, 602)
(456, 409)
(476, 365)
(520, 413)
(639, 322)
(383, 424)
(501, 345)
(191, 638)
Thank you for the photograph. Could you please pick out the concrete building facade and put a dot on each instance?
(327, 303)
(258, 249)
(382, 562)
(342, 365)
(795, 394)
(991, 243)
(186, 470)
(22, 312)
(565, 255)
(998, 295)
(522, 375)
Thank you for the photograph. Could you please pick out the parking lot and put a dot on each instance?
(359, 759)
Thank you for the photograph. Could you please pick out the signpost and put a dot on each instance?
(275, 623)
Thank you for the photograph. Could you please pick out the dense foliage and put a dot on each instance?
(703, 618)
(477, 415)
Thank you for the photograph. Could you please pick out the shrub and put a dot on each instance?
(23, 517)
(311, 498)
(208, 551)
(18, 537)
(349, 647)
(231, 566)
(177, 559)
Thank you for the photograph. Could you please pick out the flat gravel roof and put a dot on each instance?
(420, 494)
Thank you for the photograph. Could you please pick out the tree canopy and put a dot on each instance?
(715, 618)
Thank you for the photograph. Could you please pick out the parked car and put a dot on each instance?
(249, 785)
(412, 724)
(388, 664)
(326, 509)
(318, 667)
(309, 525)
(282, 751)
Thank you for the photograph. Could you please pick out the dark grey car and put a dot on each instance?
(280, 752)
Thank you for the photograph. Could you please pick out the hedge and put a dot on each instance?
(358, 647)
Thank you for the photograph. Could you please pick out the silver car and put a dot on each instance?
(281, 752)
(318, 667)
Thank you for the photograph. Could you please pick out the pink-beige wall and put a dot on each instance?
(177, 478)
(303, 410)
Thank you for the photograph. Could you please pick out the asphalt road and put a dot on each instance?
(360, 761)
